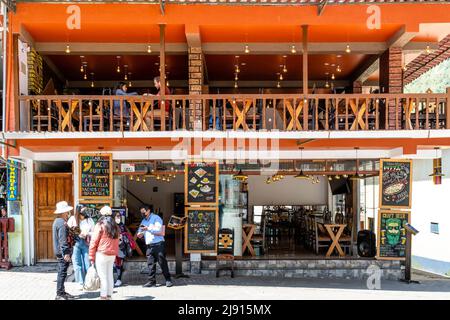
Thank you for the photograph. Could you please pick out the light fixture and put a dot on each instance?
(67, 49)
(92, 79)
(284, 69)
(158, 177)
(337, 177)
(268, 180)
(246, 50)
(278, 84)
(85, 75)
(332, 76)
(236, 84)
(149, 49)
(118, 64)
(330, 178)
(131, 178)
(301, 175)
(240, 176)
(345, 175)
(144, 180)
(347, 49)
(293, 50)
(327, 85)
(125, 72)
(357, 175)
(281, 77)
(236, 77)
(338, 68)
(428, 50)
(138, 179)
(437, 169)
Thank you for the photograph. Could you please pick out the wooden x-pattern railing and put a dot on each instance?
(289, 112)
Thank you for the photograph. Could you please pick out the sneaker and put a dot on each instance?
(169, 284)
(68, 296)
(118, 283)
(58, 297)
(149, 285)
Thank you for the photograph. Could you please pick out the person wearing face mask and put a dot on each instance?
(126, 247)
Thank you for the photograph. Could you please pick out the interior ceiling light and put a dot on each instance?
(338, 68)
(118, 64)
(67, 49)
(428, 50)
(332, 76)
(240, 176)
(246, 50)
(149, 49)
(357, 175)
(293, 50)
(278, 84)
(347, 49)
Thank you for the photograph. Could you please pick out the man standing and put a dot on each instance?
(61, 248)
(153, 230)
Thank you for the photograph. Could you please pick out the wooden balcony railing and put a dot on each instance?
(289, 112)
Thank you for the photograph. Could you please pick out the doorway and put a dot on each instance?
(49, 188)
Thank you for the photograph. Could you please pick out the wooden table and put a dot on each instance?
(247, 234)
(335, 231)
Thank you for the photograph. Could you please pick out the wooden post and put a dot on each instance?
(447, 110)
(305, 59)
(162, 73)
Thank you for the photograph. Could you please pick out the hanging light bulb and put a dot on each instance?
(338, 68)
(337, 176)
(332, 76)
(281, 76)
(237, 69)
(235, 84)
(138, 179)
(278, 84)
(247, 50)
(129, 84)
(347, 49)
(85, 75)
(67, 49)
(81, 69)
(268, 180)
(131, 178)
(92, 84)
(118, 64)
(327, 85)
(293, 50)
(149, 49)
(92, 79)
(428, 50)
(158, 177)
(330, 178)
(235, 77)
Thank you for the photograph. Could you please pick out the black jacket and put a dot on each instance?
(60, 230)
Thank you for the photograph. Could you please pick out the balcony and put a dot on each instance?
(249, 112)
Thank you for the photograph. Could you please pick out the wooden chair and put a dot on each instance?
(322, 237)
(259, 237)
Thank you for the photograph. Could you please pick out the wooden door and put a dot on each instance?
(49, 188)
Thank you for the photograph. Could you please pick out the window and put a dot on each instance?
(435, 227)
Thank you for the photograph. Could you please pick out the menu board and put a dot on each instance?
(201, 183)
(395, 183)
(95, 176)
(392, 235)
(201, 230)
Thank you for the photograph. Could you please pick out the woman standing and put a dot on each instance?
(81, 225)
(103, 250)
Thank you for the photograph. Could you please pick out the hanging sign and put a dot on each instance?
(202, 183)
(201, 230)
(96, 176)
(392, 234)
(395, 183)
(13, 177)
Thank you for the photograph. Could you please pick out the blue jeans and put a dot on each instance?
(80, 260)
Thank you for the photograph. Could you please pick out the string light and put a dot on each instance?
(246, 50)
(149, 49)
(67, 49)
(293, 50)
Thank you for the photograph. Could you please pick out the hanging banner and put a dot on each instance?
(13, 176)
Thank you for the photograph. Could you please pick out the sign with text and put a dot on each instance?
(95, 176)
(395, 183)
(201, 230)
(201, 183)
(13, 176)
(392, 234)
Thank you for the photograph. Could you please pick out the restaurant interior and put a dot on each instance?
(295, 211)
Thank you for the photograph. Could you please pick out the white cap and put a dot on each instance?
(106, 211)
(62, 207)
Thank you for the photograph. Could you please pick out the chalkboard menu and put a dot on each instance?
(201, 183)
(392, 234)
(95, 176)
(395, 184)
(201, 230)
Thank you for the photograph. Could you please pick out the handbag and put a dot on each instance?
(92, 280)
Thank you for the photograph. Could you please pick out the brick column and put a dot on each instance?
(357, 87)
(391, 80)
(195, 87)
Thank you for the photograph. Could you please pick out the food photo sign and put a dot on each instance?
(395, 183)
(201, 183)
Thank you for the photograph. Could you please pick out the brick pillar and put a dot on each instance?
(195, 87)
(391, 80)
(357, 87)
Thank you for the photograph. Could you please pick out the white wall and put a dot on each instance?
(431, 203)
(289, 191)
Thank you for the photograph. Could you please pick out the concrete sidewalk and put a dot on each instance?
(38, 283)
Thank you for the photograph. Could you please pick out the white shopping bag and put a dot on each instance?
(92, 280)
